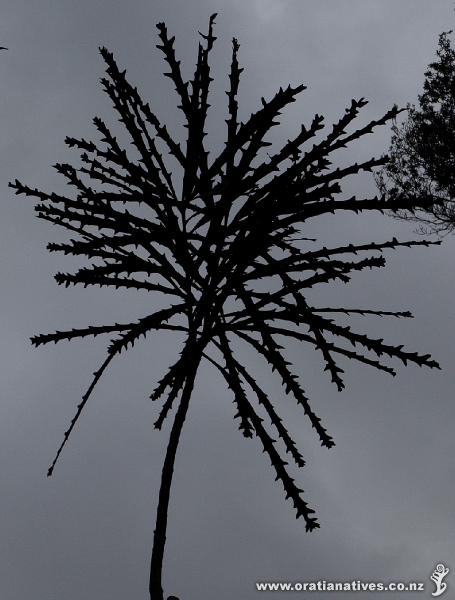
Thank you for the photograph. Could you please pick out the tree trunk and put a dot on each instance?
(159, 538)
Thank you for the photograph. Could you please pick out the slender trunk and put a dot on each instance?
(159, 538)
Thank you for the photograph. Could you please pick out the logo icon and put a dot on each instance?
(437, 577)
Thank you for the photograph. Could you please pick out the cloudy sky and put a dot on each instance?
(384, 495)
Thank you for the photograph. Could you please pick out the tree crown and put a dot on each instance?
(237, 225)
(422, 150)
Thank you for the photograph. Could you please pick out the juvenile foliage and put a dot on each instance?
(234, 226)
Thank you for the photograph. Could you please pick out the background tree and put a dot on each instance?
(422, 150)
(226, 248)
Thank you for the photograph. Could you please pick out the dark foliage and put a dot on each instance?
(422, 151)
(235, 225)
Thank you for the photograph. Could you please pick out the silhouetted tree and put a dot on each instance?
(210, 246)
(422, 150)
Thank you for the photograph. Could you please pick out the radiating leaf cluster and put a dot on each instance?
(231, 229)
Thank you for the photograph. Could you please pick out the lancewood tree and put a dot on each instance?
(233, 227)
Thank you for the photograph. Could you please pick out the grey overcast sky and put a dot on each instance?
(384, 494)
